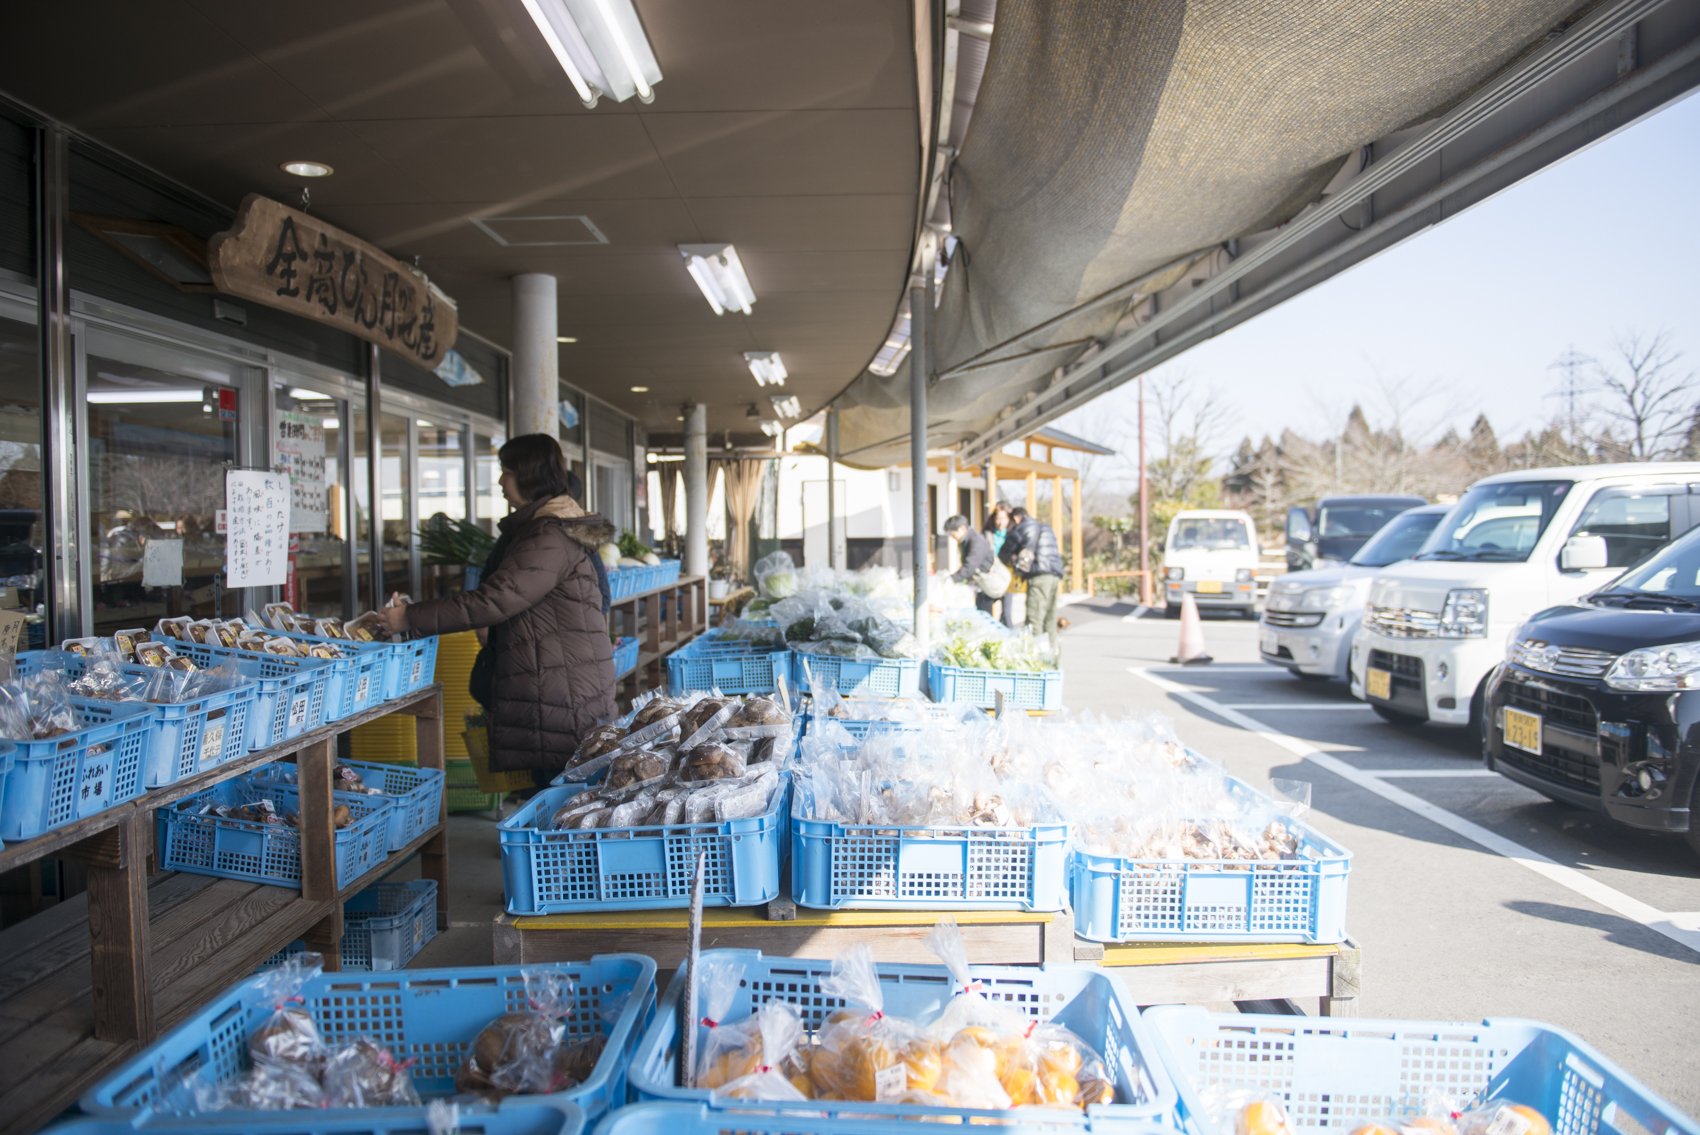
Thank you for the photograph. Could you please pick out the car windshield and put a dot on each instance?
(1336, 521)
(1498, 522)
(1400, 539)
(1673, 573)
(1214, 533)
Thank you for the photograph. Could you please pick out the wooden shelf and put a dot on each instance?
(86, 983)
(686, 618)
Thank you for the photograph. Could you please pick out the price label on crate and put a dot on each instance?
(361, 687)
(298, 712)
(417, 663)
(212, 741)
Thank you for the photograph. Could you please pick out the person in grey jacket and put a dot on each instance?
(976, 558)
(1033, 554)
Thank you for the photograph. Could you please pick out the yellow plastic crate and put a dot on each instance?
(478, 751)
(389, 740)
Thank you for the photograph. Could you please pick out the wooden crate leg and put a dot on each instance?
(119, 950)
(325, 937)
(1346, 981)
(318, 835)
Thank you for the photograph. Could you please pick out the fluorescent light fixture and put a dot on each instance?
(423, 422)
(640, 390)
(767, 368)
(331, 424)
(565, 339)
(307, 169)
(109, 397)
(720, 275)
(600, 45)
(786, 406)
(302, 394)
(773, 429)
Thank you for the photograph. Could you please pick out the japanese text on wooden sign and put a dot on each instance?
(298, 447)
(256, 539)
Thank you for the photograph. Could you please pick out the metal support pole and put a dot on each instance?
(696, 490)
(374, 479)
(62, 546)
(832, 487)
(920, 356)
(1145, 595)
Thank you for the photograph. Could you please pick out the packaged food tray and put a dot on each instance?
(265, 853)
(186, 738)
(729, 665)
(625, 656)
(1086, 999)
(51, 782)
(289, 693)
(1021, 689)
(520, 1115)
(1339, 1073)
(383, 927)
(356, 680)
(549, 872)
(860, 728)
(698, 1119)
(409, 666)
(858, 677)
(1117, 899)
(415, 794)
(429, 1016)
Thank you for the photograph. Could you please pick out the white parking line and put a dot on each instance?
(1680, 928)
(1429, 773)
(1302, 705)
(1209, 667)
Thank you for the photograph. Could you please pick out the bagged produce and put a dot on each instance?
(521, 1052)
(779, 1070)
(289, 1035)
(365, 1074)
(860, 1052)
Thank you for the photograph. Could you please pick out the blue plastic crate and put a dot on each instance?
(415, 794)
(1336, 1074)
(666, 573)
(430, 1016)
(732, 667)
(356, 680)
(698, 1119)
(862, 729)
(549, 872)
(187, 737)
(410, 666)
(855, 677)
(625, 582)
(520, 1115)
(289, 693)
(1117, 899)
(383, 927)
(1021, 689)
(265, 853)
(625, 656)
(1090, 1001)
(50, 783)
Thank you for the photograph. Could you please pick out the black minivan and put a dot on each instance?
(1598, 702)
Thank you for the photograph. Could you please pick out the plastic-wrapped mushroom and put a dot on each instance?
(653, 712)
(602, 739)
(760, 711)
(699, 714)
(623, 771)
(713, 760)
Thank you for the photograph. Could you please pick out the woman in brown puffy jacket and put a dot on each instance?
(546, 673)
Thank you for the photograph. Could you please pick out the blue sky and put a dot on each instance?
(1473, 312)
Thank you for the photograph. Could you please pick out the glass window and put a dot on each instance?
(158, 442)
(1401, 539)
(21, 508)
(489, 505)
(1336, 522)
(1214, 533)
(442, 495)
(613, 495)
(360, 485)
(1499, 521)
(308, 422)
(1674, 571)
(1634, 524)
(396, 508)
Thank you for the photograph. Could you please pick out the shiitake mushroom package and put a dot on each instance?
(524, 1052)
(289, 1035)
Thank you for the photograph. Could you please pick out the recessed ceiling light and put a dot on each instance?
(308, 169)
(565, 339)
(640, 390)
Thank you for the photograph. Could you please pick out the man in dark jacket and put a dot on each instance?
(1032, 552)
(976, 558)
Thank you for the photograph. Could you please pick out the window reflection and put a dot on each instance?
(319, 562)
(21, 508)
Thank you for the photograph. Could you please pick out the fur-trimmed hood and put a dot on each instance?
(587, 529)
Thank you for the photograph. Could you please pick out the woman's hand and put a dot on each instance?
(395, 619)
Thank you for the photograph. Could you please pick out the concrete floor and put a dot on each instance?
(1450, 929)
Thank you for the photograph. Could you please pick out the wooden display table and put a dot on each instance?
(1162, 973)
(90, 981)
(662, 619)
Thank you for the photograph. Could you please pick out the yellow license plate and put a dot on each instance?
(1209, 587)
(1523, 731)
(1379, 683)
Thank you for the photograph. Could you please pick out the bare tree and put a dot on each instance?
(1650, 401)
(1185, 423)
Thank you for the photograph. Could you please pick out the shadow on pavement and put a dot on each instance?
(1619, 930)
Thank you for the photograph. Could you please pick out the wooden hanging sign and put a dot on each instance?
(285, 259)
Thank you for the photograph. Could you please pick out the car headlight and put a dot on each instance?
(1175, 573)
(1465, 614)
(1326, 598)
(1243, 575)
(1653, 668)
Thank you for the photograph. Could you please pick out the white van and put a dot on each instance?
(1211, 553)
(1437, 624)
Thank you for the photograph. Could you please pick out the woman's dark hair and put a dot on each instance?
(539, 468)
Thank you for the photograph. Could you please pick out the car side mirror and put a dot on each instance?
(1298, 525)
(1583, 552)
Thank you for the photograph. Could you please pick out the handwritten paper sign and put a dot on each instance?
(11, 629)
(162, 563)
(256, 538)
(298, 446)
(281, 257)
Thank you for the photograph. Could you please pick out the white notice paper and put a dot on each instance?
(256, 539)
(298, 445)
(162, 563)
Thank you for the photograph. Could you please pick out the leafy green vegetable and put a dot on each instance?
(631, 546)
(446, 541)
(802, 630)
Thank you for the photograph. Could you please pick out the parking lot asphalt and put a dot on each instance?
(1471, 896)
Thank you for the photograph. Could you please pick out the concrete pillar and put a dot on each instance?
(537, 357)
(696, 490)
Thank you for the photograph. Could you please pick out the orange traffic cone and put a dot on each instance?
(1191, 651)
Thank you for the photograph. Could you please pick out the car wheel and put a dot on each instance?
(1297, 673)
(1172, 611)
(1394, 717)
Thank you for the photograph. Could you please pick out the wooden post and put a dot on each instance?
(428, 740)
(119, 950)
(324, 938)
(991, 487)
(1057, 508)
(1079, 545)
(318, 836)
(1032, 491)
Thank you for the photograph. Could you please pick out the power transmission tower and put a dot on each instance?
(1572, 388)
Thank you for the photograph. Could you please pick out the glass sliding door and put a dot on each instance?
(395, 512)
(306, 423)
(442, 495)
(488, 503)
(21, 506)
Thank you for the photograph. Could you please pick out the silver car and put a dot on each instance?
(1311, 616)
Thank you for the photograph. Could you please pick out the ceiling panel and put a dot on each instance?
(773, 153)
